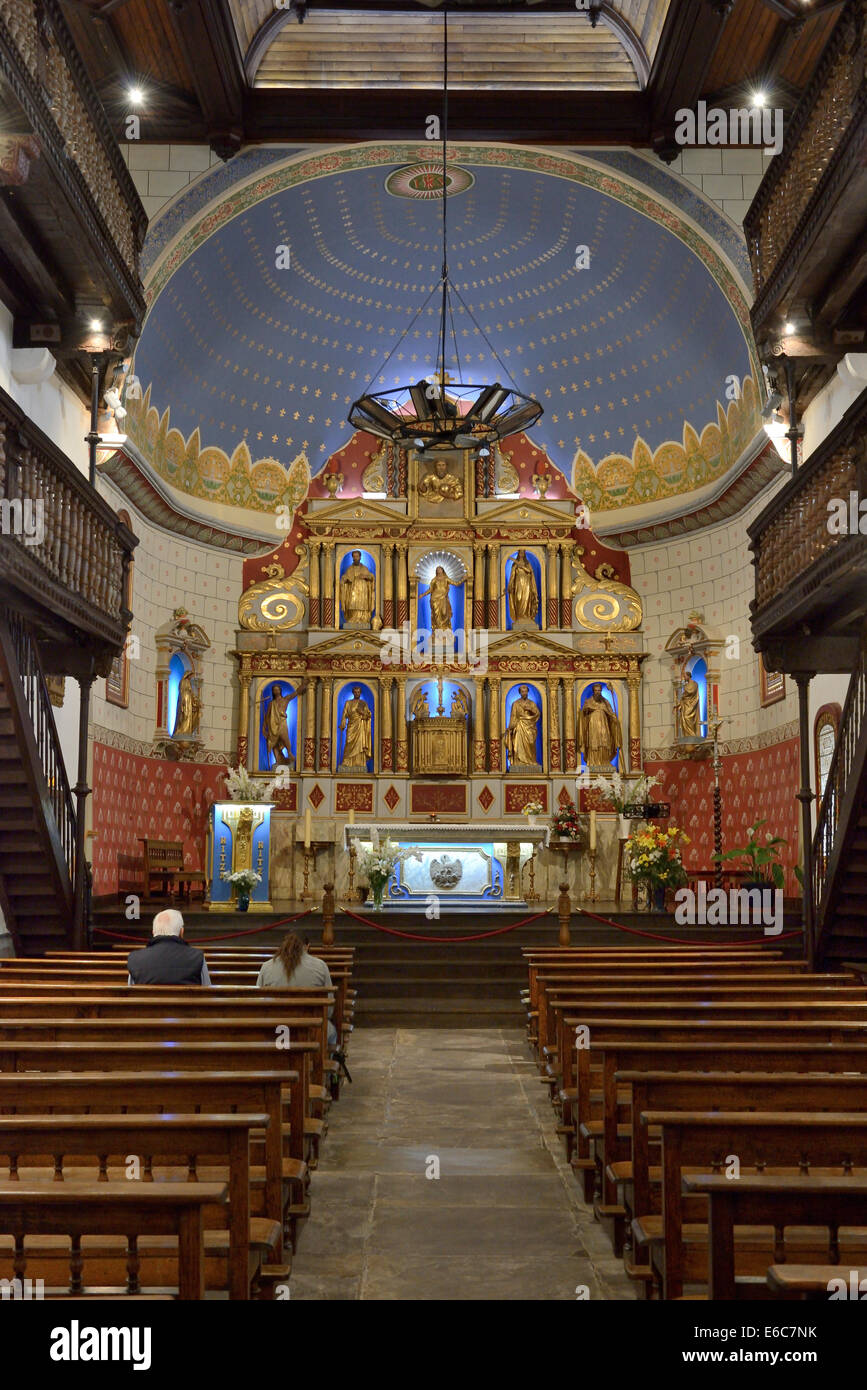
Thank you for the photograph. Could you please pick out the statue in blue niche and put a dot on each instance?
(522, 592)
(357, 593)
(356, 724)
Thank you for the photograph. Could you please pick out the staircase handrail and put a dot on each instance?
(826, 846)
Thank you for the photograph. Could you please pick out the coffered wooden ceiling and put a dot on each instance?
(236, 71)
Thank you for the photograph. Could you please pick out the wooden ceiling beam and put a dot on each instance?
(689, 40)
(206, 31)
(362, 113)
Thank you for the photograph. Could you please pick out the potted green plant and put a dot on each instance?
(653, 856)
(763, 857)
(243, 881)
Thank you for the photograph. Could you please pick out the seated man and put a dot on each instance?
(167, 959)
(293, 967)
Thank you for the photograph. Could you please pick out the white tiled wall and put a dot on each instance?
(161, 171)
(728, 178)
(711, 574)
(174, 573)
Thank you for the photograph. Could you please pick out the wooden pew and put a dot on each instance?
(811, 1283)
(777, 1201)
(699, 1141)
(82, 1210)
(243, 1246)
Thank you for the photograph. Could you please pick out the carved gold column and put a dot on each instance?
(309, 764)
(402, 759)
(571, 747)
(243, 719)
(554, 723)
(495, 746)
(328, 598)
(479, 724)
(553, 603)
(325, 726)
(388, 584)
(633, 684)
(566, 548)
(313, 550)
(402, 548)
(387, 758)
(493, 549)
(479, 586)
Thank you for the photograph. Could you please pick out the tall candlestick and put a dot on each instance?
(352, 815)
(593, 832)
(307, 835)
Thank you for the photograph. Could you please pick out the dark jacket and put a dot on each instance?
(166, 960)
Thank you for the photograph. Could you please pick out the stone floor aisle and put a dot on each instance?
(502, 1221)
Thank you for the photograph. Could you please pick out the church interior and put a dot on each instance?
(432, 569)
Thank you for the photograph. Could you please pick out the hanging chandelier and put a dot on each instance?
(443, 412)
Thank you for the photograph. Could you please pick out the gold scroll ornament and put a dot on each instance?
(274, 604)
(603, 604)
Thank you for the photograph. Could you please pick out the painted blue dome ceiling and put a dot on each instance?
(622, 354)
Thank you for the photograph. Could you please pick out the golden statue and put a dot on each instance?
(520, 737)
(357, 593)
(440, 608)
(277, 726)
(189, 706)
(440, 486)
(522, 591)
(356, 721)
(419, 708)
(599, 734)
(460, 707)
(689, 708)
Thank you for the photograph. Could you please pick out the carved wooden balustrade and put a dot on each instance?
(48, 80)
(823, 142)
(63, 550)
(801, 559)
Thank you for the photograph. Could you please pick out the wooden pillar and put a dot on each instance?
(634, 726)
(328, 616)
(479, 764)
(243, 720)
(493, 548)
(314, 602)
(553, 604)
(388, 584)
(566, 548)
(402, 548)
(571, 746)
(328, 914)
(495, 745)
(402, 759)
(554, 724)
(309, 763)
(479, 586)
(805, 796)
(325, 725)
(564, 914)
(387, 750)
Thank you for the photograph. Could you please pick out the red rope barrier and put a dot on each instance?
(679, 941)
(445, 940)
(209, 940)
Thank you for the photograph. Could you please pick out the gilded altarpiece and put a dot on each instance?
(433, 647)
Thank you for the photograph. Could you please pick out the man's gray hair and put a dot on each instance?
(168, 923)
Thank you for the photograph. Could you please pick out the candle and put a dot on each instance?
(307, 828)
(352, 815)
(375, 838)
(592, 832)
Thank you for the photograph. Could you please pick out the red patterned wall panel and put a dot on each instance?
(135, 796)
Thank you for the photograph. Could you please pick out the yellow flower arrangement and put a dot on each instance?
(654, 856)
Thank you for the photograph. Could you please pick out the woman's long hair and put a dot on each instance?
(290, 953)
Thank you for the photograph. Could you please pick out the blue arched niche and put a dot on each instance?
(368, 561)
(513, 694)
(266, 758)
(697, 668)
(611, 698)
(178, 666)
(344, 695)
(537, 575)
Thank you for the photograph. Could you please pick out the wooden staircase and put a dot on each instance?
(840, 842)
(37, 817)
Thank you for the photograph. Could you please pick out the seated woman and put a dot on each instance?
(293, 967)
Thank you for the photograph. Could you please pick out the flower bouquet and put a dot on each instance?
(242, 787)
(531, 810)
(763, 858)
(653, 856)
(565, 823)
(622, 794)
(378, 864)
(243, 881)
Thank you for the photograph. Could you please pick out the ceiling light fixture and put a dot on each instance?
(442, 411)
(136, 96)
(759, 99)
